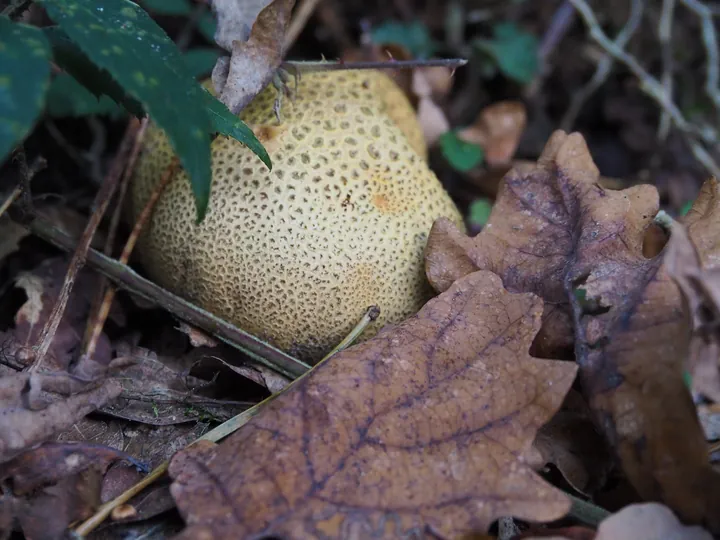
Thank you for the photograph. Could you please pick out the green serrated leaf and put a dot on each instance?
(168, 7)
(414, 36)
(207, 26)
(98, 81)
(462, 156)
(480, 210)
(514, 51)
(120, 37)
(226, 123)
(201, 60)
(24, 78)
(686, 208)
(68, 98)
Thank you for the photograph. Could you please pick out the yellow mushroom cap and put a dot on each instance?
(295, 255)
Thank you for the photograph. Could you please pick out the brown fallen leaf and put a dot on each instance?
(556, 232)
(255, 56)
(693, 261)
(497, 129)
(421, 428)
(572, 443)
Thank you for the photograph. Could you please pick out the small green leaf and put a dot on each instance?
(68, 98)
(226, 123)
(480, 212)
(514, 51)
(168, 7)
(463, 156)
(207, 26)
(686, 208)
(120, 37)
(200, 61)
(24, 78)
(414, 36)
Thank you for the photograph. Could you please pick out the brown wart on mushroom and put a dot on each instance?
(296, 255)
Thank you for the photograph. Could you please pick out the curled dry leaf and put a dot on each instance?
(421, 428)
(693, 260)
(497, 129)
(256, 56)
(431, 117)
(556, 232)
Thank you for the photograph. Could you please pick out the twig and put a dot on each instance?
(183, 39)
(604, 66)
(562, 20)
(16, 8)
(714, 447)
(27, 173)
(126, 278)
(665, 37)
(112, 230)
(102, 199)
(711, 49)
(313, 66)
(302, 15)
(10, 200)
(652, 87)
(220, 432)
(104, 311)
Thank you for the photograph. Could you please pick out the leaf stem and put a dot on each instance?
(586, 512)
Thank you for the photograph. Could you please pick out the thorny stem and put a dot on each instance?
(104, 311)
(126, 278)
(313, 65)
(711, 48)
(101, 202)
(112, 229)
(220, 432)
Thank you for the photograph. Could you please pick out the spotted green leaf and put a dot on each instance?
(200, 61)
(24, 78)
(462, 156)
(68, 98)
(120, 37)
(514, 50)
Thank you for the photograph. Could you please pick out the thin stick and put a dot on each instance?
(302, 15)
(101, 202)
(126, 278)
(10, 200)
(104, 310)
(665, 37)
(652, 87)
(313, 66)
(711, 49)
(112, 229)
(714, 447)
(220, 432)
(603, 68)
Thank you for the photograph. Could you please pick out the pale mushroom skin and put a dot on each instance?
(295, 255)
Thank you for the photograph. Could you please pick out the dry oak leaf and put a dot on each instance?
(421, 429)
(255, 57)
(556, 232)
(693, 260)
(497, 129)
